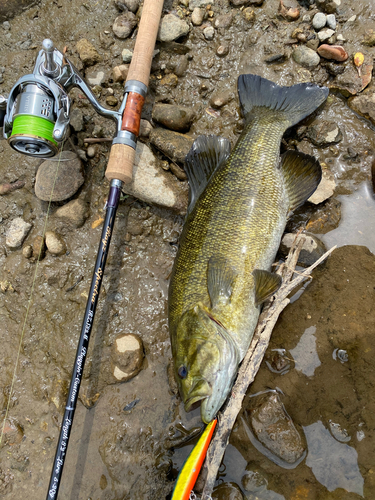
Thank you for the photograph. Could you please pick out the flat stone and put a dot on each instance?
(87, 52)
(306, 57)
(351, 82)
(319, 21)
(124, 25)
(120, 73)
(333, 52)
(74, 213)
(54, 243)
(126, 357)
(175, 145)
(59, 178)
(172, 28)
(325, 189)
(95, 76)
(324, 133)
(17, 232)
(325, 218)
(152, 184)
(197, 16)
(325, 34)
(223, 21)
(178, 118)
(313, 248)
(364, 105)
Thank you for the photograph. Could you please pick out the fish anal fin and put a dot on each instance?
(220, 280)
(266, 284)
(205, 156)
(302, 174)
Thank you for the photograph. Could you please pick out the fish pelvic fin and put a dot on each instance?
(266, 284)
(206, 155)
(294, 103)
(220, 280)
(302, 174)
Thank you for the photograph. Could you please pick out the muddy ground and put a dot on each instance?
(126, 438)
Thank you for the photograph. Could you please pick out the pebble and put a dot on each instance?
(181, 66)
(127, 55)
(223, 21)
(95, 76)
(39, 248)
(254, 481)
(324, 133)
(145, 128)
(172, 28)
(17, 232)
(319, 21)
(334, 52)
(70, 177)
(87, 52)
(325, 189)
(124, 25)
(27, 251)
(54, 243)
(331, 21)
(74, 213)
(306, 57)
(200, 3)
(173, 144)
(313, 248)
(152, 184)
(111, 100)
(238, 3)
(197, 16)
(369, 38)
(170, 80)
(220, 98)
(91, 151)
(209, 33)
(126, 357)
(76, 119)
(120, 73)
(132, 5)
(249, 14)
(178, 118)
(222, 50)
(325, 34)
(227, 491)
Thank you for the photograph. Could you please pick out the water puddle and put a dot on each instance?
(305, 354)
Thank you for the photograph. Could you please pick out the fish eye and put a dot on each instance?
(182, 371)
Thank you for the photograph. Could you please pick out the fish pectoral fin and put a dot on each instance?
(302, 174)
(266, 284)
(220, 280)
(205, 156)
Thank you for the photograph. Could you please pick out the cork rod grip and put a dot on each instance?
(120, 163)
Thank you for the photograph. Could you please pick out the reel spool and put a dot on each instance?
(33, 123)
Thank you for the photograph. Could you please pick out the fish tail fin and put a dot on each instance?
(294, 103)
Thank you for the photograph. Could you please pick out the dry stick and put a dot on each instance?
(252, 361)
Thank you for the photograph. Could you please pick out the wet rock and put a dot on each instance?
(220, 98)
(364, 105)
(27, 251)
(369, 38)
(74, 213)
(127, 55)
(87, 52)
(170, 80)
(151, 184)
(325, 34)
(120, 73)
(334, 69)
(227, 491)
(126, 357)
(145, 128)
(238, 3)
(91, 151)
(132, 5)
(331, 21)
(325, 219)
(124, 25)
(319, 21)
(39, 248)
(223, 21)
(12, 431)
(222, 50)
(17, 232)
(59, 178)
(197, 16)
(181, 66)
(329, 6)
(172, 28)
(313, 248)
(350, 82)
(274, 428)
(175, 146)
(280, 361)
(209, 33)
(54, 243)
(334, 52)
(254, 480)
(306, 57)
(199, 3)
(178, 118)
(325, 189)
(178, 171)
(288, 13)
(76, 119)
(324, 133)
(111, 100)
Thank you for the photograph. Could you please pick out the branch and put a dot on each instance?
(251, 362)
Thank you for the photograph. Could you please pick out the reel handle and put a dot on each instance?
(121, 158)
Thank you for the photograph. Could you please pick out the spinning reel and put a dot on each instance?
(35, 117)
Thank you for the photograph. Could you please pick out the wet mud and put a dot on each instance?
(130, 439)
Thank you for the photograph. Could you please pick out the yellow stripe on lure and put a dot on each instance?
(190, 470)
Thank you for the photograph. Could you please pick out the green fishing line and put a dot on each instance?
(33, 126)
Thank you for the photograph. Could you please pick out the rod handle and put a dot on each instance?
(120, 163)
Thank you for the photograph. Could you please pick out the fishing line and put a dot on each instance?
(29, 302)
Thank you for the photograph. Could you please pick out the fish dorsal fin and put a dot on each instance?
(220, 280)
(266, 284)
(302, 174)
(207, 153)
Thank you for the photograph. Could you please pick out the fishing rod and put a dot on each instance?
(35, 121)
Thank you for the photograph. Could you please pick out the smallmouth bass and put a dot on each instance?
(238, 208)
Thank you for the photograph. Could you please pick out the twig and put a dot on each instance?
(94, 140)
(8, 188)
(251, 363)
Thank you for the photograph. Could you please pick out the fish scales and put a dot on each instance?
(238, 211)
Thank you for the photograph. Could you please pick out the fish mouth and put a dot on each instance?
(201, 390)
